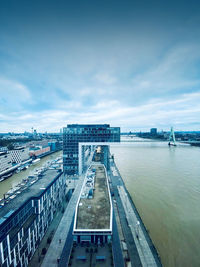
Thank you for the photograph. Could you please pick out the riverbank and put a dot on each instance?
(141, 249)
(16, 178)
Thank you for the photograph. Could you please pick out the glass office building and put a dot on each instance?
(73, 134)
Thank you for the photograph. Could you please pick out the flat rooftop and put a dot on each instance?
(34, 190)
(95, 212)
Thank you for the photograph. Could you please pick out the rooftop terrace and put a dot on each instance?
(94, 210)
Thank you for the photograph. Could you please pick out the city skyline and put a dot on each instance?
(130, 64)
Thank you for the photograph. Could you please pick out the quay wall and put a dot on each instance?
(142, 225)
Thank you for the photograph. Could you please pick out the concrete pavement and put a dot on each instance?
(144, 251)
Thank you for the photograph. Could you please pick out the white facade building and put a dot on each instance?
(5, 161)
(19, 154)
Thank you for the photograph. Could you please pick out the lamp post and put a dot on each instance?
(137, 229)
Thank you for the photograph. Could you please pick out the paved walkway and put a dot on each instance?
(38, 257)
(132, 249)
(116, 245)
(141, 243)
(144, 251)
(57, 245)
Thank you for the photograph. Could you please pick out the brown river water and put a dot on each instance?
(164, 183)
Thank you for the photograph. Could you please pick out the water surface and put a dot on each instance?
(164, 183)
(18, 177)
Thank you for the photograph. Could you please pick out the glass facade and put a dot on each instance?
(73, 134)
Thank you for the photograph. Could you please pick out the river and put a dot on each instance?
(18, 177)
(164, 183)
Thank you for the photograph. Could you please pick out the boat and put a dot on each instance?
(4, 177)
(35, 161)
(171, 144)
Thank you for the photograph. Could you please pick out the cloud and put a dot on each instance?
(13, 95)
(160, 113)
(134, 67)
(105, 78)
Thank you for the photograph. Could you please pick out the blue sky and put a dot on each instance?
(133, 64)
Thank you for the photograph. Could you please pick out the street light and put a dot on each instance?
(137, 229)
(127, 200)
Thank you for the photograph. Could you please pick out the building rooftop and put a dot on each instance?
(94, 209)
(34, 190)
(87, 125)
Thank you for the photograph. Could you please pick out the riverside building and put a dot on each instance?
(19, 154)
(25, 219)
(5, 161)
(94, 214)
(77, 141)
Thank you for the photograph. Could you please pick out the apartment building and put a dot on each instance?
(5, 161)
(25, 219)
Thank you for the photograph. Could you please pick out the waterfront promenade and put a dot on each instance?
(128, 229)
(140, 247)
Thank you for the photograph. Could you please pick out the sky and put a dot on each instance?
(133, 64)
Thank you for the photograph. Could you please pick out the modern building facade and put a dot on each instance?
(94, 212)
(153, 131)
(55, 145)
(19, 154)
(74, 134)
(25, 219)
(5, 161)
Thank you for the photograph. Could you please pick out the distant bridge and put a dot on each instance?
(141, 140)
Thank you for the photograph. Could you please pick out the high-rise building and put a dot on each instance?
(74, 134)
(153, 131)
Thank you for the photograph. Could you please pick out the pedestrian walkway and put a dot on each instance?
(38, 257)
(142, 245)
(57, 245)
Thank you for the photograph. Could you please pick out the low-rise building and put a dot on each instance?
(25, 219)
(55, 145)
(5, 161)
(39, 151)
